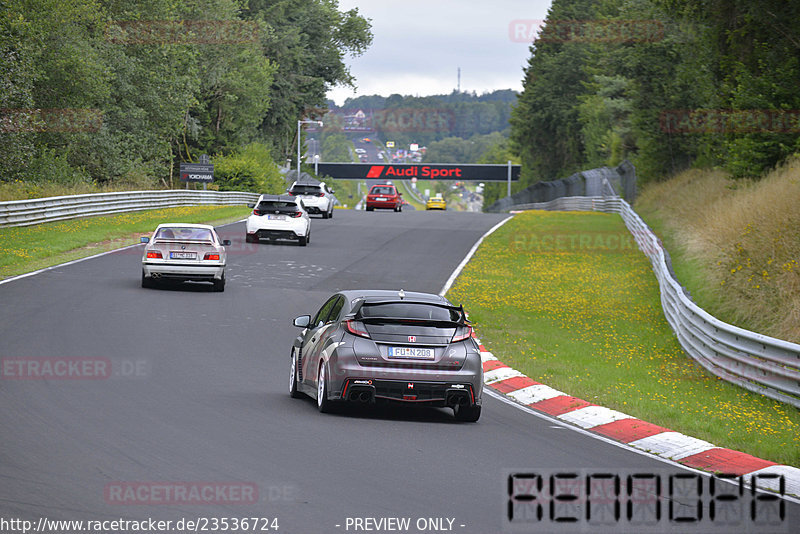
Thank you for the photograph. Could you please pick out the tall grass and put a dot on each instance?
(736, 244)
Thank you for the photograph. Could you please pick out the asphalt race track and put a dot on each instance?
(197, 394)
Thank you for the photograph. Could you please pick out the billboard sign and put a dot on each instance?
(433, 171)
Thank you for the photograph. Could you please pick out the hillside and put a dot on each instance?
(735, 243)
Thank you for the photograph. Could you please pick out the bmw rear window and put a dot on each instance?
(409, 310)
(193, 234)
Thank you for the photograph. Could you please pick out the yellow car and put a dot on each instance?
(436, 203)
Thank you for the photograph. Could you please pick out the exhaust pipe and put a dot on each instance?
(361, 395)
(156, 275)
(457, 398)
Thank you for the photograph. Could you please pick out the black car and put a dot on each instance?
(375, 346)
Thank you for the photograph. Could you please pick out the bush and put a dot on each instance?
(249, 169)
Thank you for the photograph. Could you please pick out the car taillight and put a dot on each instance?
(356, 328)
(211, 256)
(256, 212)
(320, 194)
(462, 333)
(296, 214)
(154, 254)
(290, 193)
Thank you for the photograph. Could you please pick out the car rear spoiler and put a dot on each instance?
(362, 302)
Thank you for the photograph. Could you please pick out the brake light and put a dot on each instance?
(296, 214)
(320, 194)
(154, 254)
(211, 256)
(256, 212)
(357, 328)
(462, 333)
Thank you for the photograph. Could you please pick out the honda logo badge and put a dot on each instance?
(412, 339)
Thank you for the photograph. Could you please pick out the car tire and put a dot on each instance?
(398, 209)
(219, 285)
(293, 391)
(330, 215)
(325, 215)
(370, 208)
(302, 240)
(324, 405)
(148, 283)
(467, 414)
(250, 238)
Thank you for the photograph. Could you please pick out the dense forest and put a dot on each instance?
(117, 91)
(668, 84)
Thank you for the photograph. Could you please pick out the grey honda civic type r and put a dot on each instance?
(367, 347)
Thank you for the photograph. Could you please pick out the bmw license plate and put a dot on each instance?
(276, 217)
(411, 352)
(183, 255)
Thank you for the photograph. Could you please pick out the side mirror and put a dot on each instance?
(251, 205)
(332, 191)
(144, 240)
(303, 321)
(226, 242)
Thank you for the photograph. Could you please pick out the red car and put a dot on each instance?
(384, 196)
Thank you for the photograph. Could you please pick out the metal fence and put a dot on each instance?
(35, 211)
(594, 182)
(753, 361)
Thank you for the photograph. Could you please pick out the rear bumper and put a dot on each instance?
(277, 234)
(383, 205)
(428, 393)
(183, 271)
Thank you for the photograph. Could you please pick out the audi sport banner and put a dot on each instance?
(406, 171)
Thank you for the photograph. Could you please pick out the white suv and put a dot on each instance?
(279, 217)
(317, 197)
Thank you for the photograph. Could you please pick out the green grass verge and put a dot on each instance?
(402, 186)
(568, 299)
(27, 248)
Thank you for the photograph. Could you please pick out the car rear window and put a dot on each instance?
(409, 310)
(382, 191)
(306, 190)
(178, 232)
(276, 206)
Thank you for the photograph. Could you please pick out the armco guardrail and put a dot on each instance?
(35, 211)
(753, 361)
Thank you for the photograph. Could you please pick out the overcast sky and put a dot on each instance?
(419, 45)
